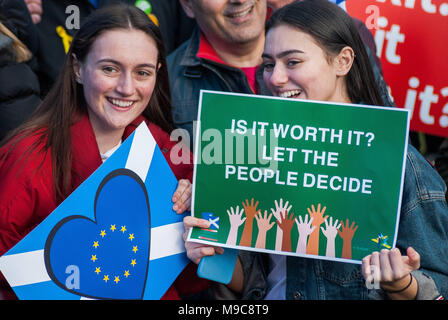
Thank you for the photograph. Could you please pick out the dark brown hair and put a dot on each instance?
(65, 102)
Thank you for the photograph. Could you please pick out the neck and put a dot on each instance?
(108, 141)
(106, 138)
(242, 55)
(341, 93)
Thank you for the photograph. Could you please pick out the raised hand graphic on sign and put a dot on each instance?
(330, 232)
(236, 220)
(305, 229)
(286, 223)
(318, 219)
(251, 211)
(279, 208)
(347, 233)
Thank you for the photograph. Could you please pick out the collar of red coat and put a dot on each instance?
(206, 51)
(85, 152)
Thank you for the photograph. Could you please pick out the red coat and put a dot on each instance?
(27, 196)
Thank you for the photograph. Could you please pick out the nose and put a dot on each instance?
(125, 85)
(278, 76)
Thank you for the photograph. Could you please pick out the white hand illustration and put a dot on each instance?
(279, 208)
(330, 231)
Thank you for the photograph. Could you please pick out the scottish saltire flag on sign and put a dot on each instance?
(115, 237)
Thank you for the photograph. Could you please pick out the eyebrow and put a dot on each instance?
(282, 54)
(142, 65)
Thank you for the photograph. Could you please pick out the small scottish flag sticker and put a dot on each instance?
(210, 233)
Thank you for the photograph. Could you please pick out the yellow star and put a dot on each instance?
(123, 229)
(134, 248)
(95, 244)
(117, 279)
(112, 227)
(126, 273)
(94, 258)
(131, 236)
(133, 262)
(106, 278)
(97, 270)
(103, 233)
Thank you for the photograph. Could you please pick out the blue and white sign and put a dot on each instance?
(115, 237)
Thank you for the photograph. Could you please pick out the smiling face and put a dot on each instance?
(232, 22)
(118, 78)
(295, 66)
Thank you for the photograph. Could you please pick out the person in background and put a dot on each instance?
(303, 59)
(114, 78)
(19, 89)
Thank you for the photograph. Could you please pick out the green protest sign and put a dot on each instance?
(305, 178)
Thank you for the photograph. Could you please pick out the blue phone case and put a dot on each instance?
(219, 267)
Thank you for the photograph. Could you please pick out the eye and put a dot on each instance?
(143, 73)
(109, 69)
(293, 62)
(268, 66)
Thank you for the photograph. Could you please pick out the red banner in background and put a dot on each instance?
(412, 42)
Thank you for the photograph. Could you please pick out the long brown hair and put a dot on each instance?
(65, 102)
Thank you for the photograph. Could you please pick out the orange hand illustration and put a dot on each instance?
(318, 219)
(251, 211)
(317, 215)
(347, 233)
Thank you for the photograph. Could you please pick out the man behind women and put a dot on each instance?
(114, 78)
(302, 56)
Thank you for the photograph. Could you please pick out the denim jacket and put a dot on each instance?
(423, 225)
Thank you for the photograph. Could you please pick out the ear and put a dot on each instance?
(344, 61)
(77, 69)
(186, 4)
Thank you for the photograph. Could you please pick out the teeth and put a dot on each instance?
(240, 14)
(288, 94)
(121, 103)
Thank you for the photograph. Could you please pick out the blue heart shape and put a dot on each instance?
(105, 258)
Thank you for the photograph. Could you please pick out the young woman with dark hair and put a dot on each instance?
(113, 79)
(314, 52)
